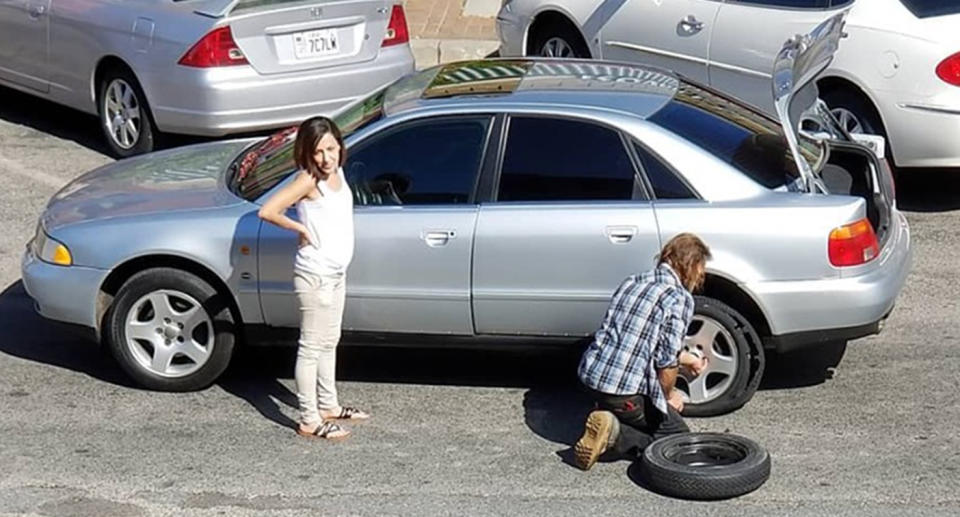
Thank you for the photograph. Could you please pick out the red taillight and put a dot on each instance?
(853, 244)
(217, 48)
(397, 28)
(949, 69)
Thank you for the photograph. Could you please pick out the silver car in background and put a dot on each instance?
(498, 202)
(897, 74)
(201, 67)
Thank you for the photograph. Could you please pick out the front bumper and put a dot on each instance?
(510, 32)
(67, 294)
(220, 101)
(806, 312)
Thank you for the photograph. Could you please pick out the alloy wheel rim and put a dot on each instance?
(121, 112)
(848, 120)
(716, 343)
(169, 333)
(556, 47)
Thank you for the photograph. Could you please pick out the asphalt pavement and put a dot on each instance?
(866, 428)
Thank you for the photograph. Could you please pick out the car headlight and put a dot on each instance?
(51, 250)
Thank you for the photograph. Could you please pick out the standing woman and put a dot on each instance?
(325, 209)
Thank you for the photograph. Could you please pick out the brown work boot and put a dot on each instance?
(600, 432)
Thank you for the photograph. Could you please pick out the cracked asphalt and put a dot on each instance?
(868, 428)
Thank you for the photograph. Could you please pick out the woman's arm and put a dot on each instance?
(274, 210)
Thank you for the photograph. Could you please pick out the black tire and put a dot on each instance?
(130, 356)
(704, 466)
(566, 33)
(865, 112)
(738, 341)
(147, 135)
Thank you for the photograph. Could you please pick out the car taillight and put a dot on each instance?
(397, 28)
(853, 244)
(949, 69)
(217, 48)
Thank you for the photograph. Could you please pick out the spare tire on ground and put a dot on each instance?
(704, 466)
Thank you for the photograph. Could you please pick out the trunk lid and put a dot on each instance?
(282, 36)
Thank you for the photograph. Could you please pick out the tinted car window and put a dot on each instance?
(931, 8)
(798, 4)
(665, 183)
(424, 163)
(564, 160)
(749, 141)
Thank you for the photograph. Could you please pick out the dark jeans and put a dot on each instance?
(640, 422)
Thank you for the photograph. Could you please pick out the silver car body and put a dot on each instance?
(55, 49)
(889, 57)
(483, 266)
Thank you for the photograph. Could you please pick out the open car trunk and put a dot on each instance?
(855, 170)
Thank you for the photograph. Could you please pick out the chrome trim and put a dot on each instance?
(934, 109)
(651, 50)
(742, 70)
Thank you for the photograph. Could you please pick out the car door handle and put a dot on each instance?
(37, 10)
(691, 24)
(620, 234)
(437, 238)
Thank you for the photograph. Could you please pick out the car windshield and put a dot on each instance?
(266, 163)
(931, 8)
(743, 137)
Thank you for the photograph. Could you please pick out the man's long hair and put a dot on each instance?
(687, 255)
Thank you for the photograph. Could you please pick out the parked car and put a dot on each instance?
(201, 67)
(896, 75)
(497, 201)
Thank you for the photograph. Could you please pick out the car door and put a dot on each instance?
(24, 36)
(569, 221)
(672, 34)
(747, 36)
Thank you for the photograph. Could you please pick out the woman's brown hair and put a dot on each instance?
(687, 255)
(308, 136)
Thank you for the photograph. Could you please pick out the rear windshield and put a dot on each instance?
(931, 8)
(746, 139)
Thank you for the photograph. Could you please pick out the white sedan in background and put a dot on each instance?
(897, 74)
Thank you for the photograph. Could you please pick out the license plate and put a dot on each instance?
(310, 44)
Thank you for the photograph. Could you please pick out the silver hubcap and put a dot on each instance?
(848, 120)
(169, 334)
(716, 344)
(556, 47)
(121, 112)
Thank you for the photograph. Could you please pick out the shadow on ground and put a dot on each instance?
(928, 190)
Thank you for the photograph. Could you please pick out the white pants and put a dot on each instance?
(321, 314)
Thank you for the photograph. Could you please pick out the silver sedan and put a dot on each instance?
(203, 67)
(498, 202)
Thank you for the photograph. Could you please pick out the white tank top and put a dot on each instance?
(329, 221)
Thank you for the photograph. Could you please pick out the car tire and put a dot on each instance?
(704, 466)
(855, 113)
(170, 330)
(558, 41)
(125, 117)
(736, 358)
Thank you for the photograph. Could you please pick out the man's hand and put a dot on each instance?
(675, 400)
(693, 365)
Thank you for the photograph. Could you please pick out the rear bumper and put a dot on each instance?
(67, 294)
(807, 312)
(923, 135)
(220, 101)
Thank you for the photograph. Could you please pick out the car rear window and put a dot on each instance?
(749, 141)
(931, 8)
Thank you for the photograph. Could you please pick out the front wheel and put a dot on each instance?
(736, 360)
(170, 330)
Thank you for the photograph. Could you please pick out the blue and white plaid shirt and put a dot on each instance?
(642, 332)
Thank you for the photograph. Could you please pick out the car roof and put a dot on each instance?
(632, 88)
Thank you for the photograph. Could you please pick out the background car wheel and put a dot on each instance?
(704, 466)
(855, 113)
(124, 114)
(736, 360)
(558, 41)
(170, 330)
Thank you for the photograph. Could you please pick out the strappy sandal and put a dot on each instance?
(350, 413)
(325, 430)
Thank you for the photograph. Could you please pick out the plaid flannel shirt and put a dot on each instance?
(642, 332)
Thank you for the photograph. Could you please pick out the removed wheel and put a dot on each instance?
(704, 466)
(124, 114)
(735, 357)
(170, 330)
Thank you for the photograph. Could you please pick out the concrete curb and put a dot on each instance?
(428, 52)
